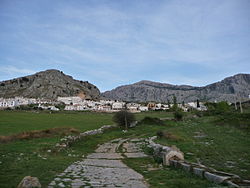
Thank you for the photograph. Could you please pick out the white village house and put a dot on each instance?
(118, 105)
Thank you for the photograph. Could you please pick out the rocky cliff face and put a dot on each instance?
(144, 91)
(48, 84)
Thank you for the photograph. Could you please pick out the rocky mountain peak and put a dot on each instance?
(48, 84)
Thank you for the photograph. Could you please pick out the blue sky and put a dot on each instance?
(117, 42)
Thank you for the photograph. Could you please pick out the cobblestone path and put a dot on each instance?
(104, 168)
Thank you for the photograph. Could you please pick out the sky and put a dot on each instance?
(117, 42)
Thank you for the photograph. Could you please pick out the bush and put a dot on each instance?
(159, 134)
(60, 106)
(169, 136)
(151, 121)
(239, 120)
(218, 108)
(124, 119)
(198, 113)
(178, 115)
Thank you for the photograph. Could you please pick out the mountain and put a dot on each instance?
(144, 91)
(48, 84)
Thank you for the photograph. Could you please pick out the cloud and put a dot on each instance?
(121, 41)
(11, 70)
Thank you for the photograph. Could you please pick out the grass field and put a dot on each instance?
(17, 121)
(205, 140)
(219, 143)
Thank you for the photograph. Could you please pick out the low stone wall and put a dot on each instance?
(172, 156)
(69, 140)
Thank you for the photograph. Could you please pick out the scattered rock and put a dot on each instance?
(61, 185)
(29, 182)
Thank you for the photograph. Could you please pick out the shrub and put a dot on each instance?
(124, 119)
(197, 113)
(151, 121)
(169, 136)
(25, 79)
(218, 108)
(178, 115)
(159, 134)
(60, 106)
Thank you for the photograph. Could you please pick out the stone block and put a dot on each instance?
(198, 171)
(215, 178)
(186, 167)
(231, 184)
(175, 163)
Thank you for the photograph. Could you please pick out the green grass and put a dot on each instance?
(17, 121)
(223, 147)
(30, 157)
(22, 158)
(166, 177)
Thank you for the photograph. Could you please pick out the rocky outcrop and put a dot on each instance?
(145, 91)
(48, 84)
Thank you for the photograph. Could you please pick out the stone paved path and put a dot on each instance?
(104, 168)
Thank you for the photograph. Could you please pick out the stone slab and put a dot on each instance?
(103, 176)
(104, 163)
(131, 147)
(107, 148)
(135, 155)
(215, 178)
(104, 156)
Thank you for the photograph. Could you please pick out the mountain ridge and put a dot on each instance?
(146, 90)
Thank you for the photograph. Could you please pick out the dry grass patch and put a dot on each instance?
(39, 134)
(169, 136)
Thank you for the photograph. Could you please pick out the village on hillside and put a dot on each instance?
(77, 103)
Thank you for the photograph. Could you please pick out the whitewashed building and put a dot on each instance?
(143, 108)
(70, 100)
(117, 105)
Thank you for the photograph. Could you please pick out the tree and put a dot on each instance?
(218, 108)
(124, 118)
(178, 115)
(175, 106)
(169, 106)
(198, 103)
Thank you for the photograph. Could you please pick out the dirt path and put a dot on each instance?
(104, 168)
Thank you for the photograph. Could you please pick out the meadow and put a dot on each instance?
(210, 140)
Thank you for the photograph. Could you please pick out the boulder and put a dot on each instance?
(29, 182)
(172, 153)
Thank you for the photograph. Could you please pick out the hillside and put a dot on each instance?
(48, 84)
(144, 91)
